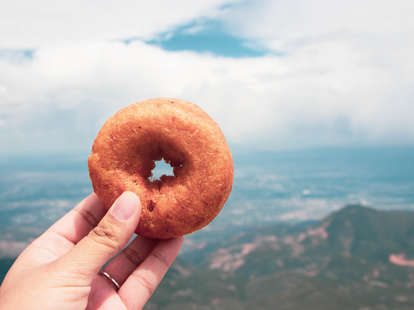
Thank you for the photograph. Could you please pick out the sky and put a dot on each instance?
(273, 74)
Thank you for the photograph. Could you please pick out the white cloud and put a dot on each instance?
(345, 78)
(307, 209)
(287, 25)
(11, 248)
(31, 24)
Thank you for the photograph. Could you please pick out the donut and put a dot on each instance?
(126, 148)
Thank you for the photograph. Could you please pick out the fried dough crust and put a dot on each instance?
(129, 143)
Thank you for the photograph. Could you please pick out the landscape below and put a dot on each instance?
(355, 258)
(282, 241)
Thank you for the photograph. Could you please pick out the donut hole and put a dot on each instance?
(158, 162)
(162, 168)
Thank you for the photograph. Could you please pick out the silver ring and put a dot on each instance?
(114, 282)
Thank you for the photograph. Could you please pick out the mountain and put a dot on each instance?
(356, 258)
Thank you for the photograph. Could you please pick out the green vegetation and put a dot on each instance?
(341, 262)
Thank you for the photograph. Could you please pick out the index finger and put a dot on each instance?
(80, 220)
(71, 228)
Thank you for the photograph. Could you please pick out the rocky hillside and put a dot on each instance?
(357, 258)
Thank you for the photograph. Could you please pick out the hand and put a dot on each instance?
(59, 270)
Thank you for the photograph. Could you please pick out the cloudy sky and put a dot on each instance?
(273, 74)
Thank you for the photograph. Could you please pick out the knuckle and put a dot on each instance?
(133, 256)
(87, 216)
(160, 258)
(144, 282)
(106, 235)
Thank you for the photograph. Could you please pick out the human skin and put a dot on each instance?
(59, 269)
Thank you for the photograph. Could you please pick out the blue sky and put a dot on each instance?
(206, 36)
(273, 74)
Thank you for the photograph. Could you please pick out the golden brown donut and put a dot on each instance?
(129, 143)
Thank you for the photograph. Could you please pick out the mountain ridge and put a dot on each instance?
(356, 258)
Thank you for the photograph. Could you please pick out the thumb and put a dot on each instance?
(105, 240)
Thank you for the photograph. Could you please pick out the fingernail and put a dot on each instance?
(125, 206)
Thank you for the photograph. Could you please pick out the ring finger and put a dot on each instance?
(120, 267)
